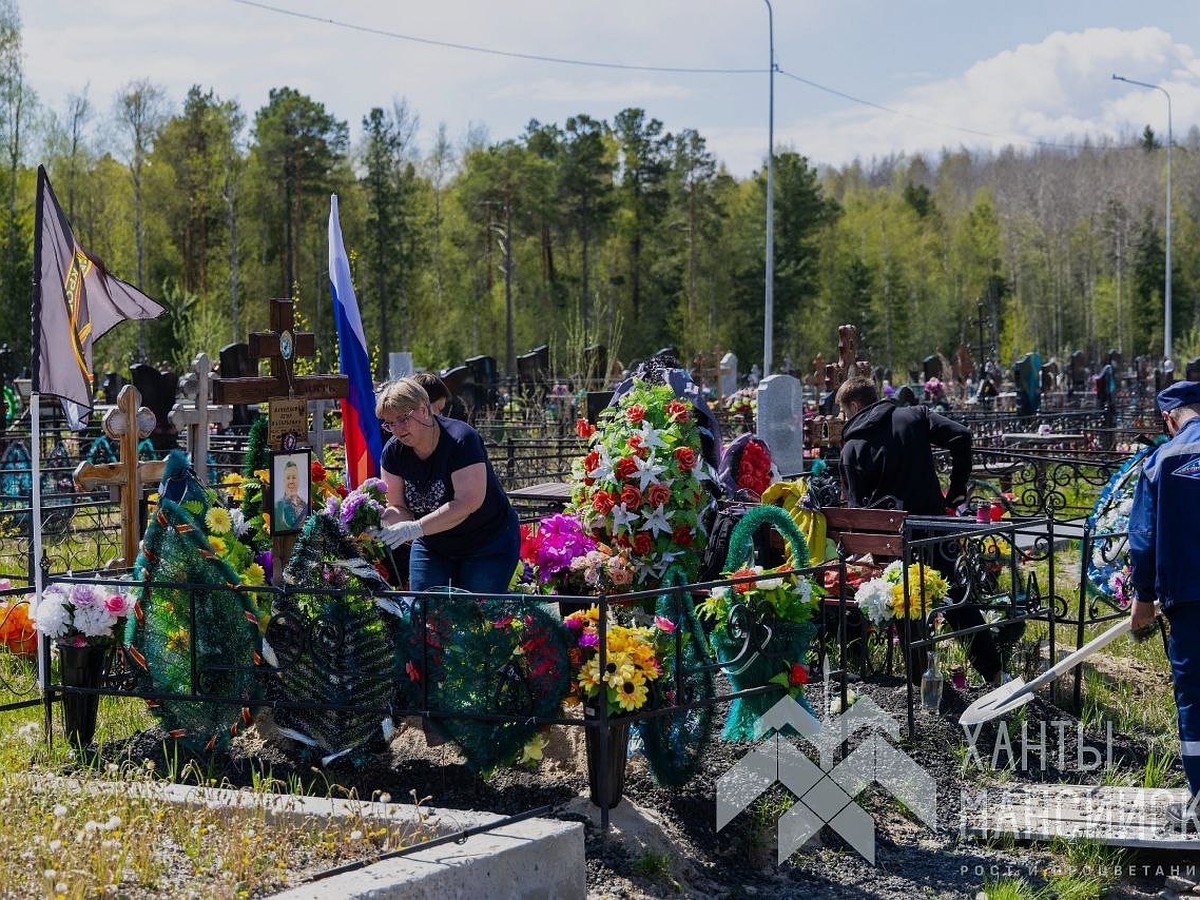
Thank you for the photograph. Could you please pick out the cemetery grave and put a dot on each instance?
(261, 710)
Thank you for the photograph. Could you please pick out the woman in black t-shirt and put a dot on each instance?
(444, 496)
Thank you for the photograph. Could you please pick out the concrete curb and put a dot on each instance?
(533, 858)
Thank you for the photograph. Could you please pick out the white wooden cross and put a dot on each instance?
(319, 436)
(197, 386)
(126, 423)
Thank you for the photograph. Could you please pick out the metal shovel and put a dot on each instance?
(1016, 693)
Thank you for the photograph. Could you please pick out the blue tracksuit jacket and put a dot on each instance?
(1164, 524)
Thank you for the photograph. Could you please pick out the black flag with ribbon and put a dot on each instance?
(75, 301)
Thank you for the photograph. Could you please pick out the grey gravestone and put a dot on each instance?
(727, 375)
(781, 421)
(400, 365)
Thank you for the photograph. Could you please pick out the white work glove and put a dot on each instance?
(400, 533)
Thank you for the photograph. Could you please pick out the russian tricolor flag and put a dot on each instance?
(360, 428)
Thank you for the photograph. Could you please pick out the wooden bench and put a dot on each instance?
(879, 532)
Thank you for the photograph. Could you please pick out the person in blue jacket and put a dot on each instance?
(1163, 545)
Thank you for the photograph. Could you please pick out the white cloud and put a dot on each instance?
(1055, 91)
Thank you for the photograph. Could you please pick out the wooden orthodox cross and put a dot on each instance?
(285, 393)
(282, 345)
(126, 424)
(196, 418)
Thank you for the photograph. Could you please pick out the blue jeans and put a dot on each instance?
(486, 571)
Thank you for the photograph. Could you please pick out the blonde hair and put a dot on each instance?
(400, 396)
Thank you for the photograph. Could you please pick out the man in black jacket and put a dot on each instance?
(887, 462)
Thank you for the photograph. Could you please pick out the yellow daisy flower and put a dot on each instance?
(254, 574)
(218, 546)
(631, 693)
(217, 520)
(589, 676)
(620, 668)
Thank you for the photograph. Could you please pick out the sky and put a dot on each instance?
(855, 79)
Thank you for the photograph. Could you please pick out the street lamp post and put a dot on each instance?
(769, 295)
(1170, 141)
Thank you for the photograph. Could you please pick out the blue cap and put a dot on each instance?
(1181, 393)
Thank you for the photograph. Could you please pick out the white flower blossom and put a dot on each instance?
(893, 573)
(52, 618)
(874, 600)
(94, 621)
(237, 521)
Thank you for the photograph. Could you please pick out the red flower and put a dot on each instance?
(603, 502)
(584, 428)
(682, 535)
(686, 457)
(631, 496)
(414, 673)
(658, 494)
(591, 461)
(678, 411)
(797, 674)
(636, 413)
(642, 543)
(625, 467)
(342, 491)
(316, 471)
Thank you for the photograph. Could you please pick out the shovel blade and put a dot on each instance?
(1009, 696)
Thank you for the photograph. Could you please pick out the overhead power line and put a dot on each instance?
(451, 45)
(896, 112)
(629, 67)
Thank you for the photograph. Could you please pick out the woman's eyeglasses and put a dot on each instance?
(401, 420)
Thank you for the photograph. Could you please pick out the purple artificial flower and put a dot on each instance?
(589, 639)
(561, 538)
(84, 595)
(265, 560)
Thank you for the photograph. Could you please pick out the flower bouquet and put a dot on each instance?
(359, 516)
(85, 619)
(634, 659)
(638, 488)
(883, 599)
(559, 557)
(761, 629)
(82, 614)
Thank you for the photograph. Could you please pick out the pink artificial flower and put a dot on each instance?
(662, 623)
(117, 604)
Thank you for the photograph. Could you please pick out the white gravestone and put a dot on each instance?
(727, 375)
(781, 421)
(400, 365)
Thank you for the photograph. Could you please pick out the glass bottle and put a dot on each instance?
(931, 686)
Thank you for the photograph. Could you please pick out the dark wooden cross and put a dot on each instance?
(126, 423)
(282, 346)
(282, 382)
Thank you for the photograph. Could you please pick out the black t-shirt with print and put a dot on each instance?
(428, 485)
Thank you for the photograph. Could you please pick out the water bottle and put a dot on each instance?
(931, 686)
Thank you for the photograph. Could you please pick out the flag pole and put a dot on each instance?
(35, 412)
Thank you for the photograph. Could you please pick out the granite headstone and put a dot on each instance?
(781, 421)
